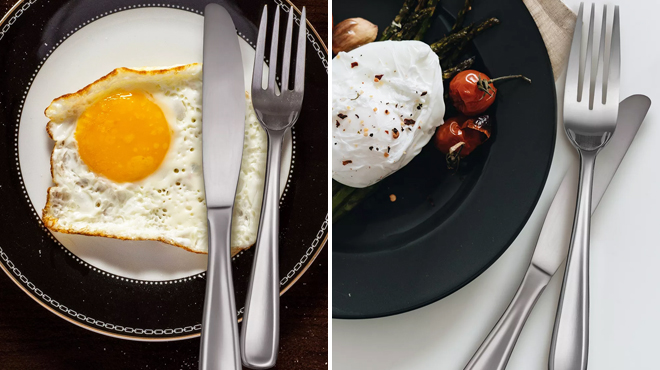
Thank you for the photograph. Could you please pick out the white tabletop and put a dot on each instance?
(625, 252)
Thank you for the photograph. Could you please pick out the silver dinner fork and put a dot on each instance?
(591, 106)
(277, 112)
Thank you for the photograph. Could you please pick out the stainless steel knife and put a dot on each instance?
(552, 245)
(223, 128)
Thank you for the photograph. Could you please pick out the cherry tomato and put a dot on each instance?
(467, 94)
(461, 135)
(472, 92)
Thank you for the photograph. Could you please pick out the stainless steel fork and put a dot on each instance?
(277, 113)
(591, 106)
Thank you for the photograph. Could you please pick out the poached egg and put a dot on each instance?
(387, 101)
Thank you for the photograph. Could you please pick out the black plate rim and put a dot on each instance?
(13, 13)
(411, 307)
(151, 339)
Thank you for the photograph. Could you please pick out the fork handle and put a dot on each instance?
(570, 338)
(261, 327)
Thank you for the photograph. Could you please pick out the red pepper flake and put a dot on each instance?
(354, 64)
(408, 121)
(377, 78)
(424, 93)
(392, 198)
(387, 132)
(375, 109)
(385, 155)
(342, 116)
(346, 162)
(395, 133)
(387, 112)
(337, 123)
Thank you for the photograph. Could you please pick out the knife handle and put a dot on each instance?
(260, 334)
(495, 351)
(570, 337)
(219, 338)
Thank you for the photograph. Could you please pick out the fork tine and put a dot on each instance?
(258, 71)
(599, 92)
(286, 57)
(272, 67)
(300, 56)
(588, 75)
(573, 87)
(614, 71)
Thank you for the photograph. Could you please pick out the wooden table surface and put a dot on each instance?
(33, 338)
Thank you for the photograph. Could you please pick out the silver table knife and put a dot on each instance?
(223, 128)
(552, 245)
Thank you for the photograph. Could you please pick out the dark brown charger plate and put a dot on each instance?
(98, 300)
(446, 228)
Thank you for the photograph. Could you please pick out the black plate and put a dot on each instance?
(446, 228)
(98, 300)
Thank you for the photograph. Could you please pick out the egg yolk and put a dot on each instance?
(123, 137)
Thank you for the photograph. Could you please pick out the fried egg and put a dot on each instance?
(127, 161)
(386, 104)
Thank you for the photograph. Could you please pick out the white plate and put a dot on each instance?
(146, 37)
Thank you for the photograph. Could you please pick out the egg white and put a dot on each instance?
(365, 146)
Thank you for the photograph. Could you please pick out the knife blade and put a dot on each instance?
(223, 128)
(223, 114)
(552, 245)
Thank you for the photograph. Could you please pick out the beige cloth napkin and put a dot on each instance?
(555, 22)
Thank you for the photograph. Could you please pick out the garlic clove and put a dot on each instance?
(352, 33)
